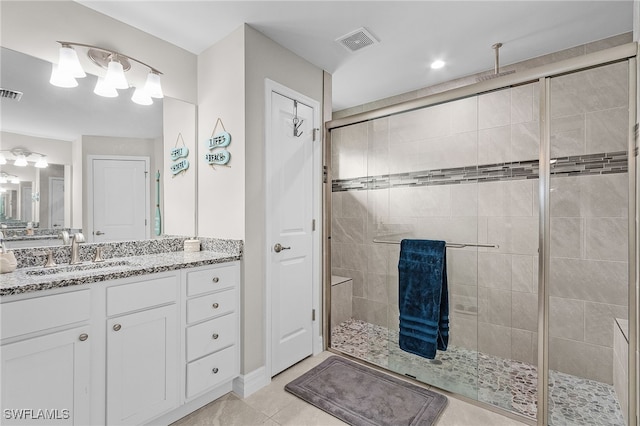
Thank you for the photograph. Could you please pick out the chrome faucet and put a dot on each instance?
(76, 239)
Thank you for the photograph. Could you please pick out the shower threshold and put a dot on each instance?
(504, 383)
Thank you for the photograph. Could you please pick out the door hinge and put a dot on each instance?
(313, 315)
(324, 174)
(315, 131)
(145, 222)
(313, 225)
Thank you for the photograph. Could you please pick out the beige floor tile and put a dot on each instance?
(227, 410)
(270, 399)
(300, 413)
(460, 413)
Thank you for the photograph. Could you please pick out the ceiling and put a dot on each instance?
(411, 34)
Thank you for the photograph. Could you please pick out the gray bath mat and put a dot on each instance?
(362, 396)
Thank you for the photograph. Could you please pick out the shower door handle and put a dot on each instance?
(278, 248)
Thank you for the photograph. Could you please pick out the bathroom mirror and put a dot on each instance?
(53, 121)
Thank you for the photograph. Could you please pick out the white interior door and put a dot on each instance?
(56, 202)
(120, 199)
(290, 193)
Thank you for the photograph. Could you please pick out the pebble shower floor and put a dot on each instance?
(500, 382)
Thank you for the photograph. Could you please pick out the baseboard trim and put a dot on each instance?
(245, 385)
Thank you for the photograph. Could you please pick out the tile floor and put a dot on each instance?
(272, 406)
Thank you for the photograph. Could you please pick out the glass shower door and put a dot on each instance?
(588, 282)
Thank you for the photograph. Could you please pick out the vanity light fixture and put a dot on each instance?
(21, 161)
(9, 178)
(20, 158)
(64, 73)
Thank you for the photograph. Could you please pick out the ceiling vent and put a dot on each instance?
(357, 40)
(10, 94)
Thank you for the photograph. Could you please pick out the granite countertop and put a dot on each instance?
(25, 280)
(26, 237)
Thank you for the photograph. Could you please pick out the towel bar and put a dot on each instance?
(450, 245)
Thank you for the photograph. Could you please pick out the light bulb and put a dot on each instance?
(115, 76)
(15, 180)
(141, 97)
(61, 78)
(437, 64)
(153, 86)
(41, 163)
(68, 62)
(3, 159)
(3, 179)
(103, 89)
(21, 161)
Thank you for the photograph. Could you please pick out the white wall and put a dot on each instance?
(221, 189)
(178, 203)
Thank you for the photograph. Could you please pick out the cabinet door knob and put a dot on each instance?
(215, 279)
(216, 305)
(215, 370)
(83, 337)
(117, 327)
(215, 336)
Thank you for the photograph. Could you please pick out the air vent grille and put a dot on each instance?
(357, 40)
(10, 94)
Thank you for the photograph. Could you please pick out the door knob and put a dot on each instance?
(99, 233)
(278, 248)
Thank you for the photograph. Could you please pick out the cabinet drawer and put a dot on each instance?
(212, 305)
(207, 280)
(212, 370)
(210, 336)
(41, 313)
(141, 294)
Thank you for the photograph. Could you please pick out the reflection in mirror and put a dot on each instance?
(63, 124)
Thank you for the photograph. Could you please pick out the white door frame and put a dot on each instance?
(272, 86)
(88, 190)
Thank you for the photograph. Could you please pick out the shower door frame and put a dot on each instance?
(626, 52)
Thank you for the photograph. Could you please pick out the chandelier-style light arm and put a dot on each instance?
(112, 52)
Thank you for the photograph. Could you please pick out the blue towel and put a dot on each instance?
(424, 299)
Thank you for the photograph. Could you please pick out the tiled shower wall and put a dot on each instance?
(493, 291)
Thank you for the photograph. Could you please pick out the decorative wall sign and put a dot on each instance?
(179, 152)
(218, 140)
(180, 166)
(219, 158)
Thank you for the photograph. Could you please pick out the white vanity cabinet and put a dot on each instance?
(211, 327)
(45, 362)
(147, 349)
(142, 350)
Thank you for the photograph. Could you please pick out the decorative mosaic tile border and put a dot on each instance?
(579, 165)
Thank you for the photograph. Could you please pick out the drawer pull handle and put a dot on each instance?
(215, 336)
(215, 279)
(216, 305)
(83, 337)
(117, 327)
(215, 370)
